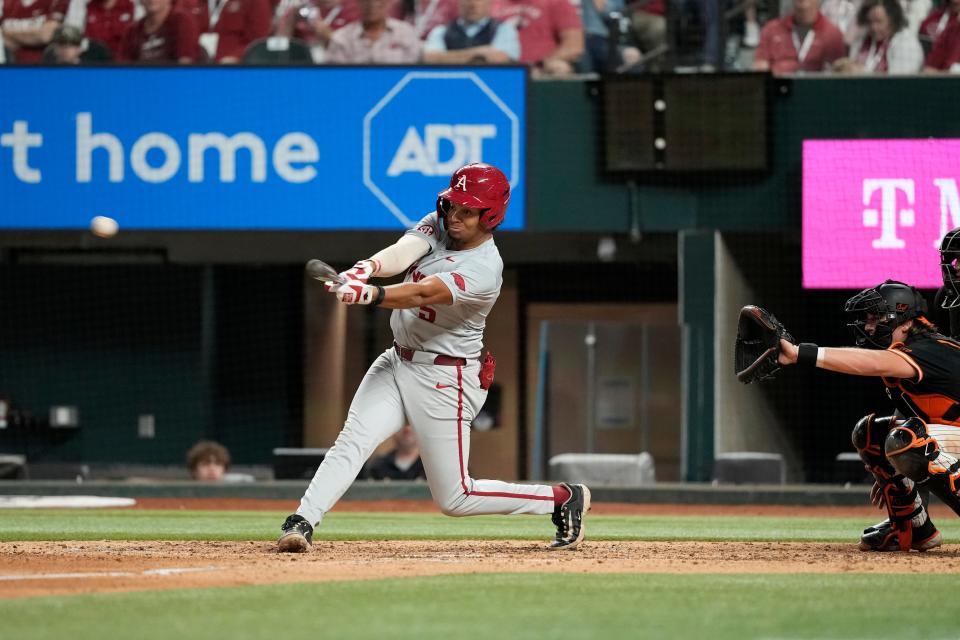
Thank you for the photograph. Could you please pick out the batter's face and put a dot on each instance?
(463, 226)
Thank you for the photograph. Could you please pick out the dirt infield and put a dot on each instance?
(63, 568)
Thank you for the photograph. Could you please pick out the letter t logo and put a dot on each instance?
(888, 216)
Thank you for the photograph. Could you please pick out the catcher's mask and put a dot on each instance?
(949, 267)
(886, 307)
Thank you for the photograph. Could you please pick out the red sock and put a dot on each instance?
(560, 494)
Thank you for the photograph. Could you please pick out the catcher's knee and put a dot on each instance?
(910, 449)
(869, 434)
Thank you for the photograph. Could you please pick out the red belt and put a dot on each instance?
(411, 356)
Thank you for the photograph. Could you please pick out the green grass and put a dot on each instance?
(251, 525)
(511, 606)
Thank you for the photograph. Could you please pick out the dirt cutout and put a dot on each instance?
(61, 568)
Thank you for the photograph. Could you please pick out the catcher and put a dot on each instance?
(920, 443)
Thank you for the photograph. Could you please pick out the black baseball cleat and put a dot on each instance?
(297, 536)
(568, 517)
(884, 536)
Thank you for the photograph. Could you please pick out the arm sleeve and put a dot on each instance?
(429, 229)
(400, 255)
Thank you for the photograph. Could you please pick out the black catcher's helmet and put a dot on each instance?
(949, 267)
(888, 305)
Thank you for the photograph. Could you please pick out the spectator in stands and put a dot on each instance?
(598, 18)
(70, 47)
(425, 15)
(374, 39)
(802, 41)
(914, 12)
(199, 10)
(937, 22)
(887, 45)
(314, 22)
(843, 14)
(945, 54)
(208, 461)
(104, 20)
(65, 46)
(473, 37)
(551, 33)
(237, 23)
(402, 463)
(28, 27)
(164, 34)
(650, 24)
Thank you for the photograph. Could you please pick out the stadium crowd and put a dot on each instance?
(555, 38)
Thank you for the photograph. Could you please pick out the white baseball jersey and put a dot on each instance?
(474, 277)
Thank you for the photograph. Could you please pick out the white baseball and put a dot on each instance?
(104, 227)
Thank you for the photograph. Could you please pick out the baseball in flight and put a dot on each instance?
(104, 227)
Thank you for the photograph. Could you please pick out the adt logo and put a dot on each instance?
(426, 127)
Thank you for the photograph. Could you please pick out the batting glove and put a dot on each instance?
(356, 292)
(359, 272)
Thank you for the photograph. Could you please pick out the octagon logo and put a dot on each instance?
(425, 128)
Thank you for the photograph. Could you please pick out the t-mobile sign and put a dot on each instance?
(877, 209)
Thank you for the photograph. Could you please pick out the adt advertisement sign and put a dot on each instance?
(401, 158)
(206, 148)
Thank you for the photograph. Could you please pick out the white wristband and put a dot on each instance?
(820, 355)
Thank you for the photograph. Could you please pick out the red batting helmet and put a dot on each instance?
(478, 186)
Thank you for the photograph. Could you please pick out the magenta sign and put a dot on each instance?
(877, 209)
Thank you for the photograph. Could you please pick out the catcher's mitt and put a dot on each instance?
(758, 345)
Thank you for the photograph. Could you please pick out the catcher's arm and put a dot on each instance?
(853, 361)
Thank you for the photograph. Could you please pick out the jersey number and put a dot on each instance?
(427, 313)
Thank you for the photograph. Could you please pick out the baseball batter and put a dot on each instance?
(432, 376)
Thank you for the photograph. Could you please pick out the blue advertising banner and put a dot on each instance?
(251, 148)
